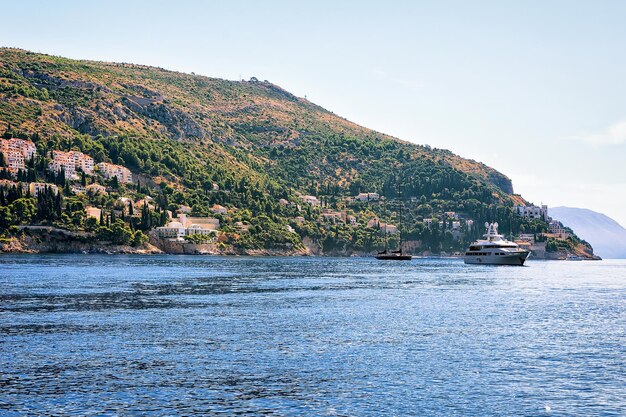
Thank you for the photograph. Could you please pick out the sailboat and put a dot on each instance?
(394, 255)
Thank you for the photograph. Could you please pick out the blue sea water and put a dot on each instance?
(191, 335)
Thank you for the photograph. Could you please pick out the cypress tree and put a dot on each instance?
(61, 177)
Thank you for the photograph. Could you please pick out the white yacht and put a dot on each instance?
(495, 250)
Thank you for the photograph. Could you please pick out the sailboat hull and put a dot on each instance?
(392, 257)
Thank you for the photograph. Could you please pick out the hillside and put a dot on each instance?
(606, 235)
(248, 146)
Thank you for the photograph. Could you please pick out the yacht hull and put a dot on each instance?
(516, 259)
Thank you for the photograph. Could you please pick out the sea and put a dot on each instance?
(201, 335)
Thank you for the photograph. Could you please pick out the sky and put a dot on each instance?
(535, 89)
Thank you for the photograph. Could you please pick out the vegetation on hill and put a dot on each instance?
(198, 141)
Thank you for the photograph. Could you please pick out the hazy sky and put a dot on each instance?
(534, 89)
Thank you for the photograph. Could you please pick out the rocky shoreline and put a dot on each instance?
(45, 239)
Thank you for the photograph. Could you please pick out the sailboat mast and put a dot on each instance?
(399, 216)
(385, 231)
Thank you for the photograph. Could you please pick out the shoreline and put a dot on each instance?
(48, 240)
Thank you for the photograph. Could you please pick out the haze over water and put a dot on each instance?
(163, 335)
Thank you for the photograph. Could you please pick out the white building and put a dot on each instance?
(70, 162)
(173, 230)
(533, 212)
(332, 216)
(108, 171)
(25, 148)
(527, 237)
(15, 160)
(557, 228)
(187, 226)
(367, 197)
(34, 188)
(96, 189)
(310, 199)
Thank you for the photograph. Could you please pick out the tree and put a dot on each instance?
(24, 209)
(121, 233)
(139, 238)
(6, 217)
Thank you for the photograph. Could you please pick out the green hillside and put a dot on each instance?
(199, 141)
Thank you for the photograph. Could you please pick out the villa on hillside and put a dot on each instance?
(386, 227)
(310, 199)
(185, 226)
(26, 147)
(389, 229)
(8, 183)
(556, 228)
(108, 171)
(96, 189)
(16, 152)
(219, 209)
(330, 216)
(533, 212)
(527, 237)
(367, 197)
(70, 162)
(146, 201)
(34, 188)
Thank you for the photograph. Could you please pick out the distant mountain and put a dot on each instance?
(606, 236)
